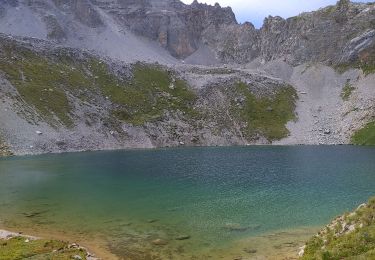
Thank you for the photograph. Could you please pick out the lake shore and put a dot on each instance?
(89, 249)
(280, 245)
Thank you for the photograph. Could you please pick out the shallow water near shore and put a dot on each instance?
(200, 202)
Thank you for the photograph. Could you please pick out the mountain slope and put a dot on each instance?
(110, 74)
(57, 99)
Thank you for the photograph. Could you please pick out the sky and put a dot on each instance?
(256, 10)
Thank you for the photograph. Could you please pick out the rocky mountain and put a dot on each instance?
(109, 74)
(114, 26)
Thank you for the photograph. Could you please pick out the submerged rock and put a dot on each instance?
(235, 227)
(183, 237)
(250, 250)
(159, 242)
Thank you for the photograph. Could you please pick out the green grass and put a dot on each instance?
(359, 244)
(347, 91)
(365, 62)
(367, 68)
(147, 96)
(18, 249)
(267, 116)
(42, 83)
(365, 136)
(46, 81)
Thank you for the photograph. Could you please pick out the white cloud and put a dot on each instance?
(256, 10)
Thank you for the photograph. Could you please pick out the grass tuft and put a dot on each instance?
(347, 91)
(365, 136)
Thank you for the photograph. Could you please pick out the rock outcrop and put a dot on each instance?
(338, 34)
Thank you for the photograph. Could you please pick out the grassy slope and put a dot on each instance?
(332, 244)
(45, 83)
(17, 249)
(365, 136)
(268, 115)
(146, 97)
(49, 82)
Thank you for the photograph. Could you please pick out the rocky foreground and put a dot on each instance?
(19, 246)
(351, 236)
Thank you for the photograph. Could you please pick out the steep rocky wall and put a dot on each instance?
(339, 34)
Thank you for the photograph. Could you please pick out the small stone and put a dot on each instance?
(27, 241)
(327, 131)
(250, 250)
(159, 242)
(77, 257)
(183, 237)
(301, 251)
(235, 227)
(38, 132)
(74, 245)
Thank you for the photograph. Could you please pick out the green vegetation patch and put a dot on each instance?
(267, 116)
(365, 62)
(20, 248)
(365, 136)
(347, 91)
(147, 96)
(45, 82)
(41, 82)
(359, 244)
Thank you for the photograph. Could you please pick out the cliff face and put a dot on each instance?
(334, 35)
(174, 25)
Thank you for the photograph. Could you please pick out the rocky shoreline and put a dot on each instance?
(18, 245)
(349, 235)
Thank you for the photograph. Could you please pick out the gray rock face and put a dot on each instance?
(82, 11)
(332, 35)
(320, 36)
(176, 26)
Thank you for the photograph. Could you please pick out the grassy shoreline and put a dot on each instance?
(350, 236)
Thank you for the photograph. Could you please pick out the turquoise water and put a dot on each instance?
(215, 195)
